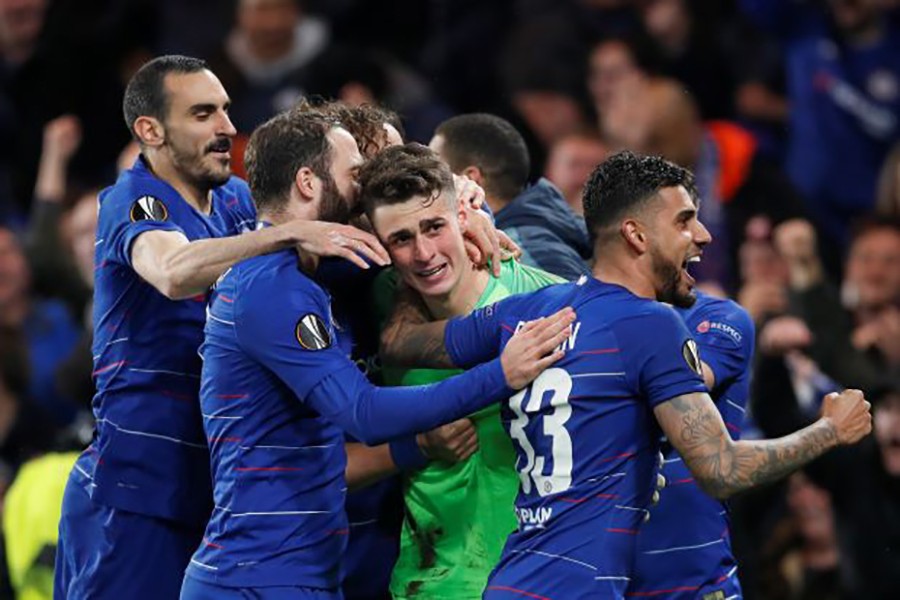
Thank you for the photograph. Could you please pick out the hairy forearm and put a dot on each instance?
(724, 467)
(192, 268)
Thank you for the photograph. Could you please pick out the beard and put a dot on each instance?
(193, 168)
(334, 207)
(670, 275)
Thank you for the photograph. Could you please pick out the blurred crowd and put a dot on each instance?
(787, 111)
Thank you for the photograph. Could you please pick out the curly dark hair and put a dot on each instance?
(279, 148)
(399, 173)
(365, 123)
(624, 183)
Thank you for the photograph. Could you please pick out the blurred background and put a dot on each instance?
(786, 110)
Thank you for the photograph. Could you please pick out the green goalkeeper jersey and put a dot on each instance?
(457, 517)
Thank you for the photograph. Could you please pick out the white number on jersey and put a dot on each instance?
(559, 383)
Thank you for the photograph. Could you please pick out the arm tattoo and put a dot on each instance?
(724, 467)
(410, 340)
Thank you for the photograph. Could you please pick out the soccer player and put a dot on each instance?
(684, 550)
(586, 431)
(457, 515)
(277, 387)
(138, 497)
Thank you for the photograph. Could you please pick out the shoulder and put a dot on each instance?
(521, 276)
(719, 316)
(139, 197)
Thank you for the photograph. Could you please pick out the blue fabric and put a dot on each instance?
(276, 386)
(51, 334)
(584, 433)
(149, 453)
(106, 553)
(202, 590)
(551, 236)
(684, 550)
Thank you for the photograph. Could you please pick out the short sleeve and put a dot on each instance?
(667, 359)
(122, 219)
(289, 330)
(725, 337)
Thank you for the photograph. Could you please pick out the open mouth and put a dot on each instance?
(433, 272)
(684, 267)
(221, 147)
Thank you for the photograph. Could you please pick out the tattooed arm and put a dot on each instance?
(724, 467)
(409, 339)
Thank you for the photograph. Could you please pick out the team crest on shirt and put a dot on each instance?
(148, 208)
(716, 595)
(312, 333)
(691, 356)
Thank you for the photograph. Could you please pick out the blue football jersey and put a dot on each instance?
(684, 550)
(149, 454)
(277, 393)
(586, 438)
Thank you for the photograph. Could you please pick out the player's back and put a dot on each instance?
(146, 367)
(587, 441)
(278, 467)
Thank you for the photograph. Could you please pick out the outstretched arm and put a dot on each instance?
(724, 467)
(179, 268)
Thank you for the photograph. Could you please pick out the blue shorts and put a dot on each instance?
(107, 553)
(194, 589)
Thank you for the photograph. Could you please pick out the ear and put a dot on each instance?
(307, 183)
(149, 131)
(635, 236)
(474, 173)
(462, 215)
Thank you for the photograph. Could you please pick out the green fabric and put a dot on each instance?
(458, 516)
(31, 521)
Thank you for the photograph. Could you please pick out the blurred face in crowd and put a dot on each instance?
(873, 268)
(854, 16)
(550, 115)
(15, 276)
(811, 507)
(424, 238)
(761, 263)
(83, 234)
(886, 422)
(21, 22)
(198, 132)
(269, 26)
(339, 191)
(570, 164)
(611, 65)
(676, 239)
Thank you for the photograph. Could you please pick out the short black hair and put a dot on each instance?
(493, 145)
(624, 182)
(145, 95)
(279, 148)
(399, 173)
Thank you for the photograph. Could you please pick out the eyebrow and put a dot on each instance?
(686, 214)
(422, 225)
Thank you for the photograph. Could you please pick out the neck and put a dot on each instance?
(461, 300)
(628, 274)
(195, 195)
(496, 204)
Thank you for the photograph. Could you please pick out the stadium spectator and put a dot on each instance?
(488, 150)
(571, 160)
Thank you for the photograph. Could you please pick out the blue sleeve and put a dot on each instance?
(123, 218)
(287, 327)
(661, 359)
(475, 338)
(243, 209)
(725, 336)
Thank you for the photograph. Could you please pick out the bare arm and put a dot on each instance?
(724, 467)
(179, 268)
(367, 465)
(409, 339)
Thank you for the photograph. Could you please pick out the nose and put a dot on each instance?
(702, 236)
(226, 127)
(424, 249)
